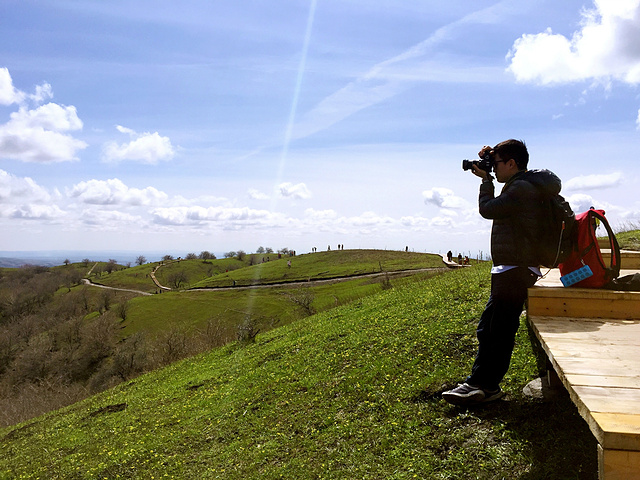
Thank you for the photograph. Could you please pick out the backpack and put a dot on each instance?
(586, 252)
(556, 241)
(554, 238)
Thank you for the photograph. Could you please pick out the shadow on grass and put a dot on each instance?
(559, 444)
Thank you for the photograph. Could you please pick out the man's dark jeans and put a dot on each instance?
(498, 326)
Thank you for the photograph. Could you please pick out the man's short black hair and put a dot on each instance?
(515, 149)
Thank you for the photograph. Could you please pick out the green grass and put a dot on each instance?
(349, 393)
(269, 307)
(629, 240)
(135, 278)
(323, 265)
(249, 271)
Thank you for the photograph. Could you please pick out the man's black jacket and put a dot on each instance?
(518, 215)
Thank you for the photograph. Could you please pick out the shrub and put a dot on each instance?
(302, 297)
(247, 330)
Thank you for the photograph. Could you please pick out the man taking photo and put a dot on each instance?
(518, 217)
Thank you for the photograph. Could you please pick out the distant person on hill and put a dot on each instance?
(449, 255)
(517, 214)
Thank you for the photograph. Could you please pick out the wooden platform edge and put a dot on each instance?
(618, 464)
(619, 441)
(570, 302)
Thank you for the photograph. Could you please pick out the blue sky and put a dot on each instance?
(197, 125)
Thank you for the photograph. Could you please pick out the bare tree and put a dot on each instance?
(141, 260)
(105, 301)
(122, 310)
(177, 279)
(111, 265)
(302, 297)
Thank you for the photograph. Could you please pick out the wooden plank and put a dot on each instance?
(582, 293)
(618, 464)
(608, 399)
(598, 331)
(629, 259)
(604, 380)
(592, 367)
(588, 352)
(622, 305)
(619, 431)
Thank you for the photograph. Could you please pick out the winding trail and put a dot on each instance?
(395, 274)
(86, 281)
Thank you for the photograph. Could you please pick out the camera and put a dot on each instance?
(485, 163)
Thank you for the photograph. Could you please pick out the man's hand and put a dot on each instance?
(486, 149)
(478, 172)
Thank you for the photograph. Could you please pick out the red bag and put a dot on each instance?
(586, 251)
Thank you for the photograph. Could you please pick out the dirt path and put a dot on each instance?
(86, 281)
(394, 274)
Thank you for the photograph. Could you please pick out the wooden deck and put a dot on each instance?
(592, 339)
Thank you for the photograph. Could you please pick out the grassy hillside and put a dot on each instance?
(251, 269)
(349, 393)
(323, 265)
(629, 240)
(266, 306)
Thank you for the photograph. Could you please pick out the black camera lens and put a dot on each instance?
(468, 164)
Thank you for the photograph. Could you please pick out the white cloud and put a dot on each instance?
(197, 215)
(369, 219)
(146, 148)
(37, 135)
(37, 212)
(126, 130)
(8, 93)
(444, 198)
(14, 189)
(595, 181)
(257, 195)
(320, 215)
(112, 220)
(115, 192)
(298, 191)
(581, 202)
(606, 47)
(22, 198)
(48, 117)
(43, 92)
